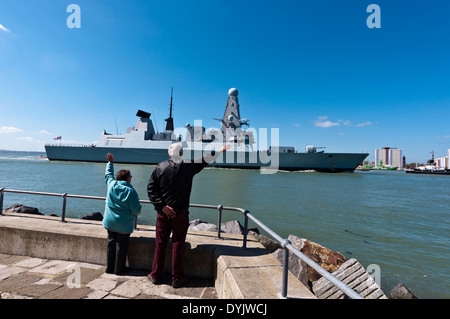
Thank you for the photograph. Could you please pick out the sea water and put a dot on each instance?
(398, 221)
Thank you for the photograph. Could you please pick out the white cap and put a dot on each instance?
(174, 150)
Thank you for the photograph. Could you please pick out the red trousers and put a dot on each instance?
(164, 226)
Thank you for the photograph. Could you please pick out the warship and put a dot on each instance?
(141, 144)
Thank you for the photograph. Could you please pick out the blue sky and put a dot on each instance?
(311, 68)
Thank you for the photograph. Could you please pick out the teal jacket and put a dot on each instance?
(122, 204)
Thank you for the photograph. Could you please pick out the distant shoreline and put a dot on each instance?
(26, 152)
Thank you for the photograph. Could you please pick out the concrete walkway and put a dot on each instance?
(24, 277)
(76, 250)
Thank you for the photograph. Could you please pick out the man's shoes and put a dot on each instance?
(180, 282)
(155, 281)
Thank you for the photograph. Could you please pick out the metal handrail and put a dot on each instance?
(285, 243)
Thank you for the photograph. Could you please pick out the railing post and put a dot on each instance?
(63, 212)
(135, 223)
(284, 283)
(1, 201)
(244, 245)
(219, 220)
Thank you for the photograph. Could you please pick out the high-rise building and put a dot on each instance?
(388, 156)
(448, 159)
(442, 162)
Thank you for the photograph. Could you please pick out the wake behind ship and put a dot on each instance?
(141, 144)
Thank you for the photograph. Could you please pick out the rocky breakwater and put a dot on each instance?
(326, 258)
(350, 271)
(23, 209)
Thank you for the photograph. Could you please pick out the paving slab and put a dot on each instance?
(53, 267)
(30, 262)
(64, 292)
(51, 279)
(13, 283)
(37, 290)
(102, 284)
(128, 289)
(7, 272)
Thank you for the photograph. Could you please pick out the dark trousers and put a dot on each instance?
(164, 226)
(116, 252)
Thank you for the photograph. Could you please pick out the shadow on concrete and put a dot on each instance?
(166, 278)
(235, 251)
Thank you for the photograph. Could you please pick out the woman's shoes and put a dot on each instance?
(117, 272)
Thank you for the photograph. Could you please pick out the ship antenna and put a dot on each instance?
(117, 130)
(169, 120)
(171, 100)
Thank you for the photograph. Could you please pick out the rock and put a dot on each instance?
(195, 222)
(198, 225)
(296, 266)
(232, 227)
(93, 216)
(269, 244)
(19, 208)
(328, 259)
(205, 227)
(401, 292)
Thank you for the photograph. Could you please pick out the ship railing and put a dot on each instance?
(72, 145)
(285, 243)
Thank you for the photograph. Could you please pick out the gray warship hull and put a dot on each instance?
(321, 162)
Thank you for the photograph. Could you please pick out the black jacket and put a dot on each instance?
(171, 184)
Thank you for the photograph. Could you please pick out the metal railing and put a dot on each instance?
(285, 243)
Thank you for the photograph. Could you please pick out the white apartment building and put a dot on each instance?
(443, 162)
(388, 156)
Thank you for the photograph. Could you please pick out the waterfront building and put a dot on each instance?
(442, 162)
(448, 159)
(388, 156)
